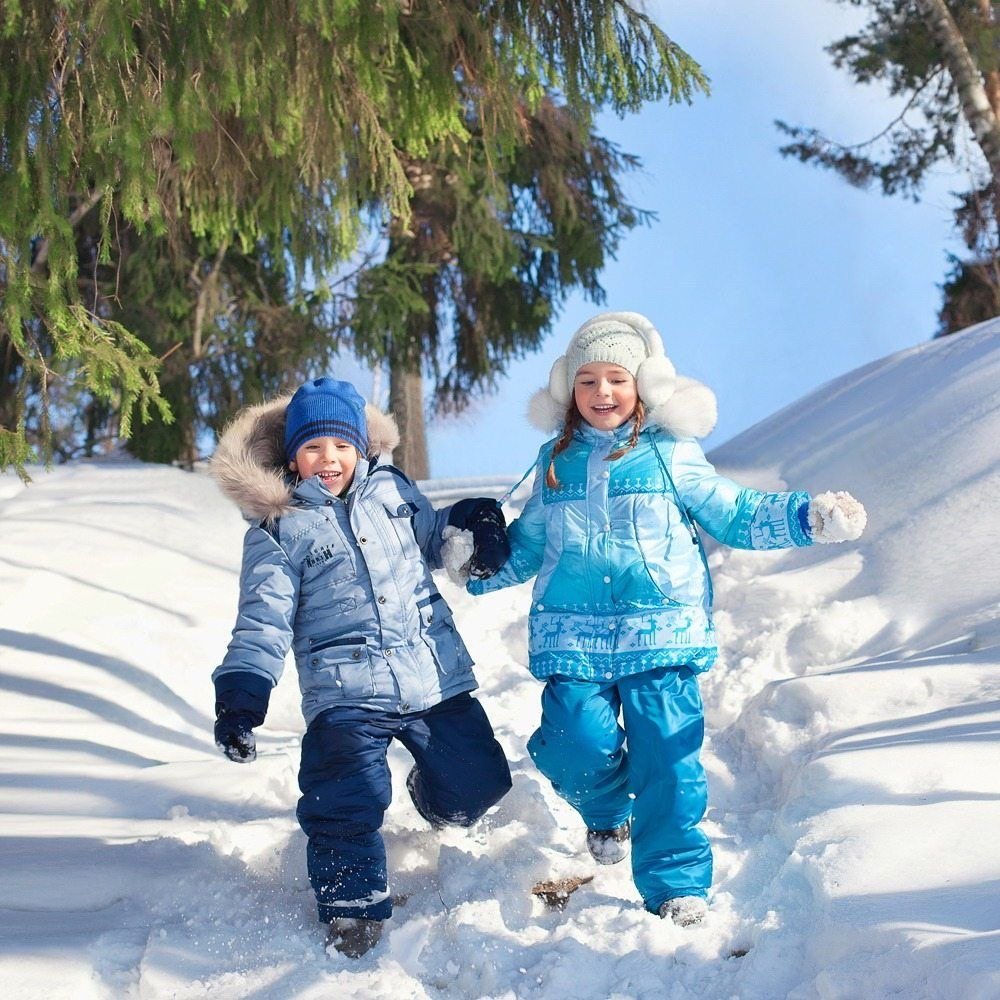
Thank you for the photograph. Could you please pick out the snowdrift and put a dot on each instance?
(854, 722)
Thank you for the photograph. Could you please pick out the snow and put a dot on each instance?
(854, 726)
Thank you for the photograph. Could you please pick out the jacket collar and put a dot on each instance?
(595, 436)
(312, 492)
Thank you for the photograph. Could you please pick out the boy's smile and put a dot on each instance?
(605, 395)
(330, 459)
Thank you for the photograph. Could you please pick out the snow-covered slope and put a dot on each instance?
(853, 754)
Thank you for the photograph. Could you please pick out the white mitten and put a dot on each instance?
(836, 517)
(456, 552)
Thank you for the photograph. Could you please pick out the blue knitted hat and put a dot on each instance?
(325, 407)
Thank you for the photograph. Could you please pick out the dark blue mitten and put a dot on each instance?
(241, 700)
(483, 517)
(234, 737)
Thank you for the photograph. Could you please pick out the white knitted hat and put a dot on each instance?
(610, 341)
(679, 405)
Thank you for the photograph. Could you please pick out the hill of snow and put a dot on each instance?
(853, 752)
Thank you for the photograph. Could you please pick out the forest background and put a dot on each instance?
(188, 226)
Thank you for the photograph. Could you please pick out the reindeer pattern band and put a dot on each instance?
(595, 646)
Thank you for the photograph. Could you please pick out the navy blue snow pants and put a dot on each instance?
(460, 771)
(648, 771)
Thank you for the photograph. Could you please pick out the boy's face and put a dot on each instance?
(333, 460)
(605, 395)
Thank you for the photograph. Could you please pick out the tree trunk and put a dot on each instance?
(968, 80)
(992, 78)
(406, 403)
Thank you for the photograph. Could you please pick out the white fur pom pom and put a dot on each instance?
(836, 517)
(656, 380)
(691, 410)
(456, 551)
(544, 413)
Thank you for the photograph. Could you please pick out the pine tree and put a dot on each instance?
(944, 59)
(475, 275)
(246, 124)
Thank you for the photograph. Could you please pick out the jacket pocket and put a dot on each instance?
(662, 568)
(342, 666)
(438, 631)
(399, 513)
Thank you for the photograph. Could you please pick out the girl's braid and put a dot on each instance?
(638, 419)
(570, 424)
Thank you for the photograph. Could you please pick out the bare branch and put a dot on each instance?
(38, 264)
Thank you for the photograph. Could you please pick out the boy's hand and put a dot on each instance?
(492, 550)
(234, 736)
(483, 517)
(836, 517)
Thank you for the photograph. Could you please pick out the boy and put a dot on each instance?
(337, 567)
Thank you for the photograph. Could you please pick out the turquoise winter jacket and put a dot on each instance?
(622, 584)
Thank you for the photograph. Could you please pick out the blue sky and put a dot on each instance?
(765, 277)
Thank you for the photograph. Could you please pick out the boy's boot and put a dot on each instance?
(684, 911)
(353, 936)
(608, 847)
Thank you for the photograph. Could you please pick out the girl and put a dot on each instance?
(620, 621)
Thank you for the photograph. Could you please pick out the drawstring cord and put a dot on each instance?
(510, 492)
(685, 516)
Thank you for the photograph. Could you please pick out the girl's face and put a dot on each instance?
(604, 394)
(333, 460)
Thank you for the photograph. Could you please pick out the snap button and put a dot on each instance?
(541, 607)
(607, 579)
(356, 655)
(362, 539)
(609, 675)
(314, 660)
(405, 706)
(381, 600)
(430, 618)
(605, 474)
(388, 652)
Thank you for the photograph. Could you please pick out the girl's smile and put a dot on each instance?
(605, 395)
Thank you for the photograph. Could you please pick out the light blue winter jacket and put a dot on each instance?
(344, 583)
(622, 582)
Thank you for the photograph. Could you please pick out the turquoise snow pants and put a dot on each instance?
(647, 768)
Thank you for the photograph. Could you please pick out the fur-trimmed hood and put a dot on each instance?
(249, 463)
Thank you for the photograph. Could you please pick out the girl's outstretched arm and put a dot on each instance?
(735, 515)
